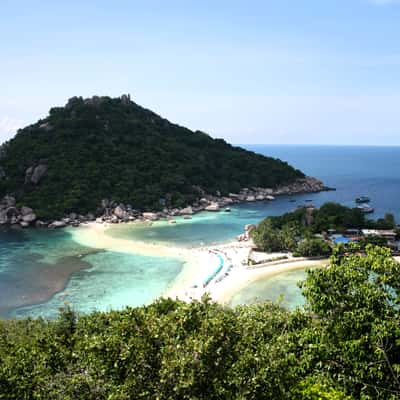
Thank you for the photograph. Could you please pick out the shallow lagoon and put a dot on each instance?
(42, 270)
(113, 281)
(282, 288)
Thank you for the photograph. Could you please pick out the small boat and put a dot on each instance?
(363, 199)
(308, 200)
(292, 201)
(366, 209)
(227, 209)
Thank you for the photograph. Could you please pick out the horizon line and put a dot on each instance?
(316, 144)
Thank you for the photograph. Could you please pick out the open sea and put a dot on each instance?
(42, 270)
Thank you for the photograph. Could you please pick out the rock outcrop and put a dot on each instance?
(187, 211)
(119, 211)
(112, 212)
(58, 224)
(246, 236)
(34, 174)
(151, 216)
(38, 173)
(11, 215)
(212, 207)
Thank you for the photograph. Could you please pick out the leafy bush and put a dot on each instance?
(344, 344)
(311, 247)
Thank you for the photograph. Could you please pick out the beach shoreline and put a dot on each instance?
(198, 263)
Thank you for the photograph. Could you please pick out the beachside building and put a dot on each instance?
(388, 234)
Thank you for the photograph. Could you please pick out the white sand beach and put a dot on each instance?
(94, 235)
(200, 264)
(224, 267)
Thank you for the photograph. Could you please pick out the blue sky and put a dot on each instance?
(278, 71)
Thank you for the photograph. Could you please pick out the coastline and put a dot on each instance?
(94, 235)
(114, 212)
(198, 263)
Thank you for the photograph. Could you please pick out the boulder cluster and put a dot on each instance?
(116, 213)
(113, 212)
(246, 236)
(11, 215)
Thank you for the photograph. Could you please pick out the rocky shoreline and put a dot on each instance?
(113, 212)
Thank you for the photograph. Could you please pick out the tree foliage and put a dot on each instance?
(294, 231)
(311, 247)
(109, 148)
(345, 344)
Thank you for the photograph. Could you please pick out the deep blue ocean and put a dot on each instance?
(352, 170)
(40, 270)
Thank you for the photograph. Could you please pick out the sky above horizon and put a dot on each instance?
(255, 71)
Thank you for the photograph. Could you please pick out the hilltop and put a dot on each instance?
(111, 148)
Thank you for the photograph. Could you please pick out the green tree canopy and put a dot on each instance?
(345, 344)
(113, 148)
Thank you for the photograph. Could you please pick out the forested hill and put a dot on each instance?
(112, 148)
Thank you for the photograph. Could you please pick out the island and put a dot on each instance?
(109, 157)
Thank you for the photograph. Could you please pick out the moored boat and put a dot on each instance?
(363, 199)
(366, 209)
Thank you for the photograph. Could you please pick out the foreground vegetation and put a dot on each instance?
(345, 344)
(114, 149)
(295, 231)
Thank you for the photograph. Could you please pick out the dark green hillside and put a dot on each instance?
(112, 148)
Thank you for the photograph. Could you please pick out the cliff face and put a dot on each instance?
(104, 148)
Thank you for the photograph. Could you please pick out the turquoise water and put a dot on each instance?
(205, 228)
(282, 288)
(113, 281)
(41, 269)
(35, 264)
